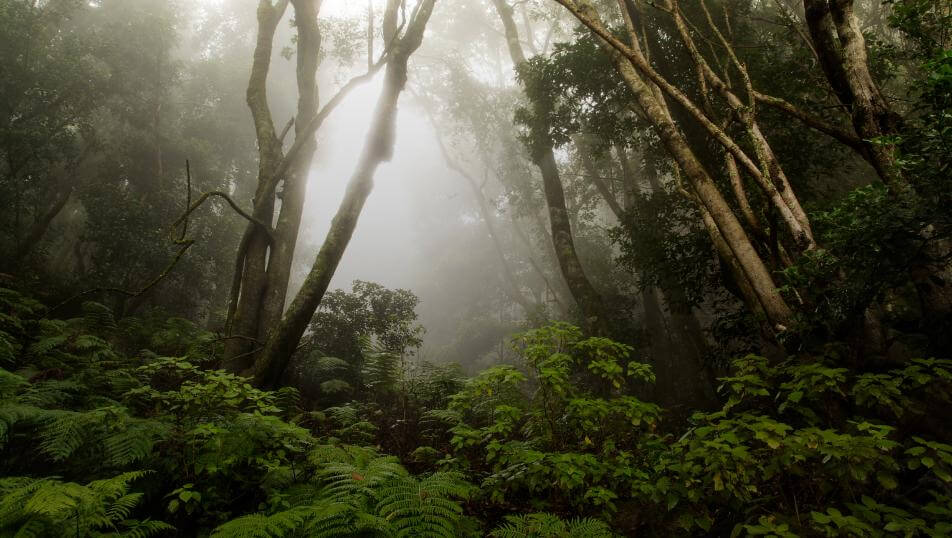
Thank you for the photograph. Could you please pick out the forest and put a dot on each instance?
(460, 268)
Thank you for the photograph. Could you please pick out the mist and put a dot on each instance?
(554, 268)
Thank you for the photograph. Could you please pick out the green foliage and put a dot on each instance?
(549, 526)
(555, 433)
(92, 412)
(359, 491)
(811, 445)
(43, 507)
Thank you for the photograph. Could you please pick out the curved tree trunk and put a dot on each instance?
(841, 49)
(295, 184)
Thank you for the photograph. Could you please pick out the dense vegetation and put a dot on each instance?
(700, 283)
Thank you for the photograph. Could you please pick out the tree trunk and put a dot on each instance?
(253, 253)
(594, 314)
(42, 224)
(378, 148)
(263, 265)
(765, 296)
(489, 219)
(295, 184)
(841, 49)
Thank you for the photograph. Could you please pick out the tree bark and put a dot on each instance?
(295, 184)
(764, 295)
(841, 49)
(263, 265)
(253, 253)
(595, 318)
(378, 148)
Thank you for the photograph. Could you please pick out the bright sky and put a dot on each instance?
(348, 7)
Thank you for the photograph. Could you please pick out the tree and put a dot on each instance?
(263, 263)
(378, 148)
(370, 311)
(596, 317)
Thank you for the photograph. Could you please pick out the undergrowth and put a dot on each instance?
(126, 428)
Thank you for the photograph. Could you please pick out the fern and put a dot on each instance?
(9, 349)
(350, 471)
(328, 519)
(97, 316)
(10, 384)
(423, 507)
(544, 525)
(15, 413)
(381, 368)
(45, 506)
(118, 439)
(54, 393)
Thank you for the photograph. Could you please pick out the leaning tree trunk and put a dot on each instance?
(271, 364)
(722, 224)
(590, 303)
(841, 49)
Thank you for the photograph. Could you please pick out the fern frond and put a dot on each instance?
(98, 316)
(117, 486)
(288, 522)
(42, 506)
(424, 507)
(9, 349)
(64, 433)
(48, 344)
(10, 383)
(54, 393)
(13, 414)
(134, 443)
(145, 529)
(542, 525)
(361, 469)
(122, 507)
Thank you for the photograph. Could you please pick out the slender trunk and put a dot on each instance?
(715, 207)
(489, 219)
(263, 266)
(594, 314)
(772, 179)
(249, 290)
(295, 184)
(271, 364)
(557, 294)
(592, 174)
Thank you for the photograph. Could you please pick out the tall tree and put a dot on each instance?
(263, 263)
(378, 148)
(595, 315)
(649, 88)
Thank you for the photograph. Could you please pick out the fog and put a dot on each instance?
(526, 182)
(468, 268)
